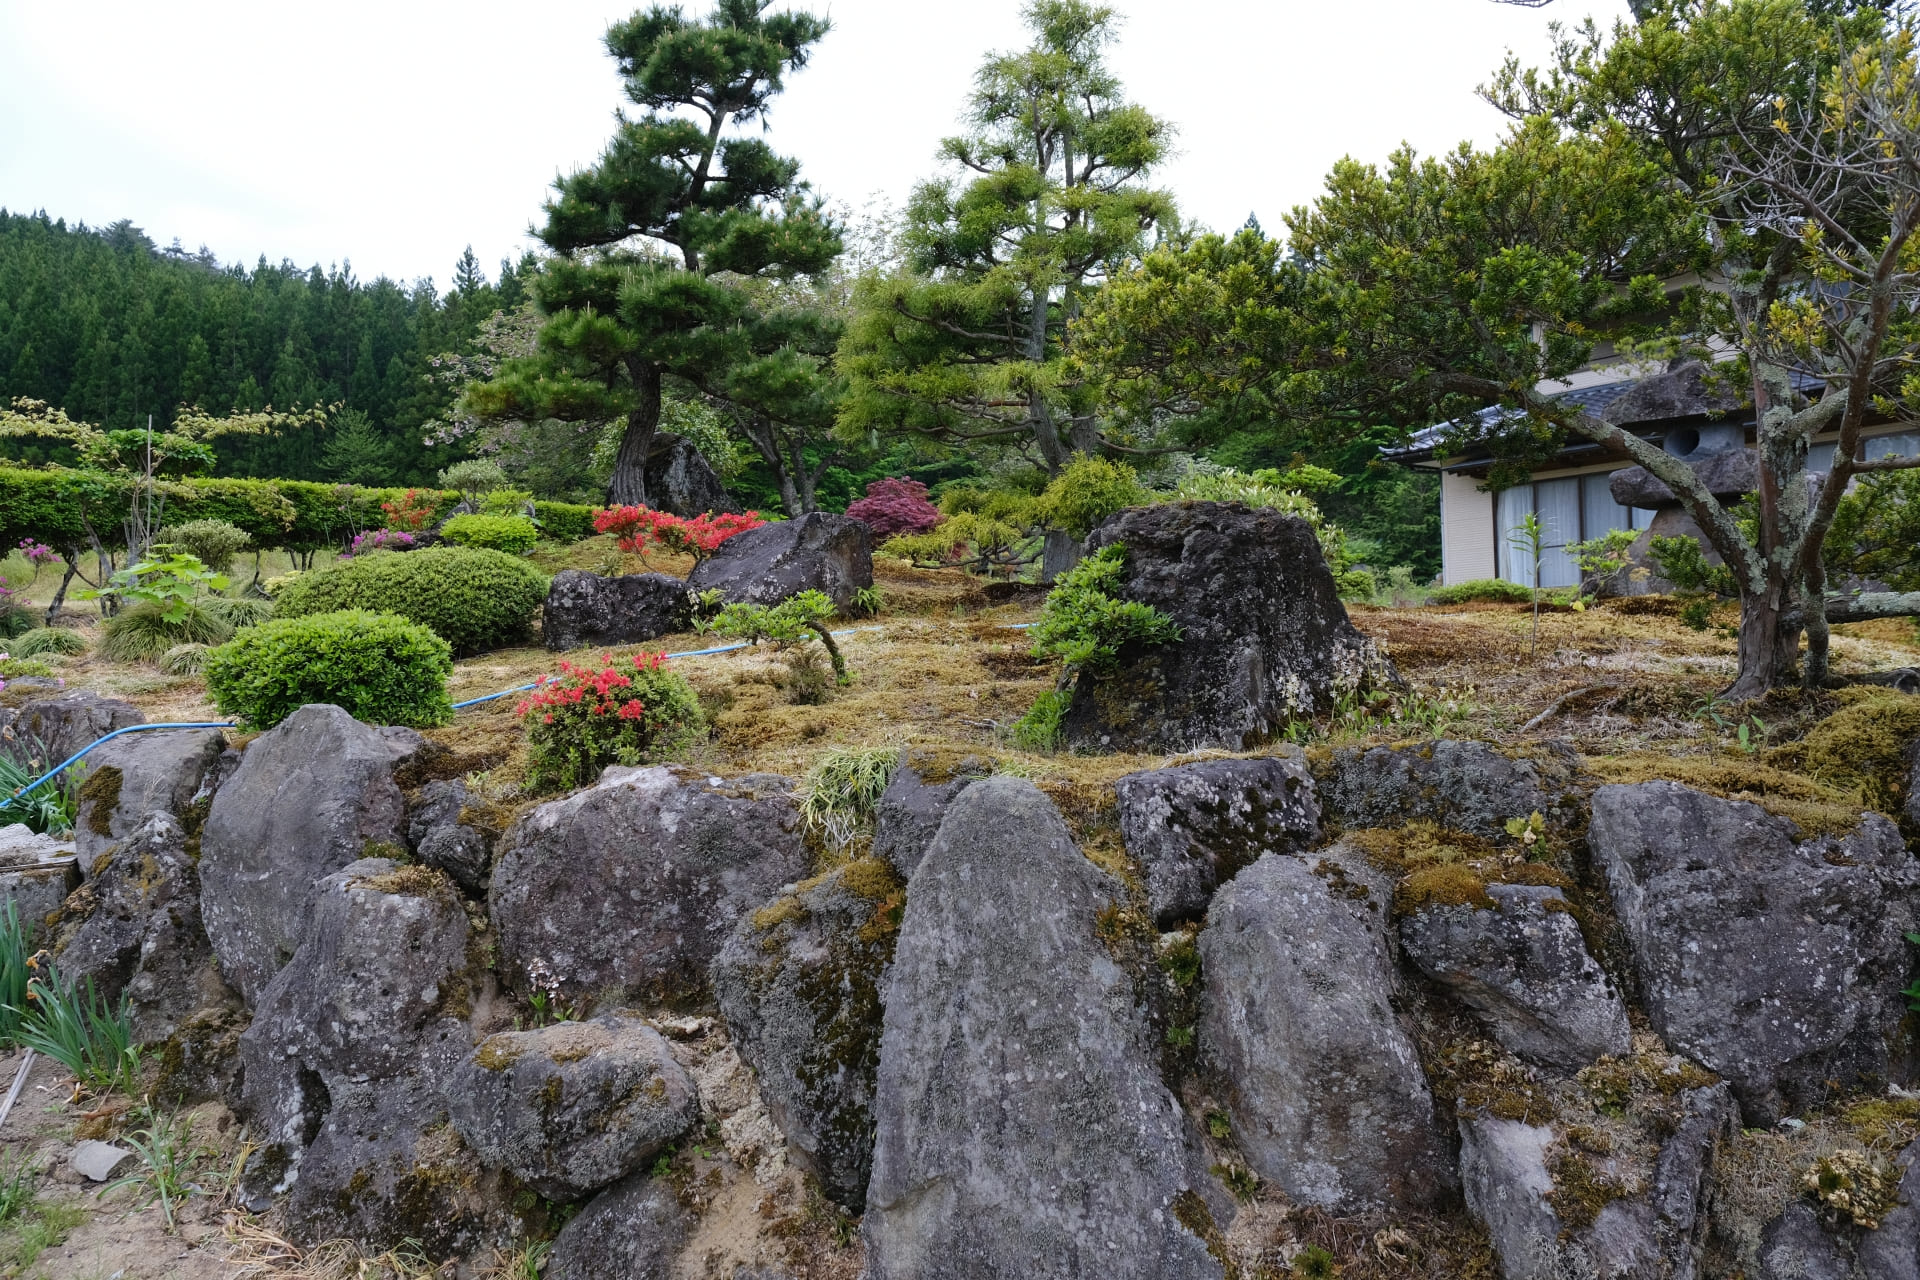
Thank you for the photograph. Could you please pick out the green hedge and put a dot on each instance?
(1482, 590)
(514, 535)
(564, 521)
(380, 668)
(474, 599)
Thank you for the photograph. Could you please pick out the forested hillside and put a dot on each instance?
(108, 326)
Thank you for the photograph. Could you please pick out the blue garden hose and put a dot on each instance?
(73, 759)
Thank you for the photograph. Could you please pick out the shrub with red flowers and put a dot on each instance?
(412, 512)
(896, 506)
(637, 527)
(587, 718)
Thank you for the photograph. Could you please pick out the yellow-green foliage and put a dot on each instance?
(1446, 884)
(1861, 748)
(1853, 1183)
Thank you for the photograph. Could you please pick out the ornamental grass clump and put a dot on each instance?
(587, 718)
(379, 668)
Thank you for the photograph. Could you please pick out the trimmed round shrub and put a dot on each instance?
(144, 632)
(378, 667)
(63, 640)
(473, 598)
(215, 542)
(514, 535)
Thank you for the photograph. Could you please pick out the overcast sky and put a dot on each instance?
(394, 133)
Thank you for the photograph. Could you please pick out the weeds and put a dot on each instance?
(1039, 730)
(83, 1031)
(839, 796)
(518, 1264)
(166, 1160)
(19, 1183)
(15, 971)
(50, 808)
(41, 1227)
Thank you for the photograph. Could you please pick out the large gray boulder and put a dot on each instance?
(1467, 786)
(138, 774)
(799, 986)
(1300, 1036)
(636, 882)
(915, 802)
(441, 840)
(1913, 787)
(1795, 1246)
(818, 552)
(586, 609)
(632, 1231)
(1651, 1226)
(1193, 827)
(51, 729)
(1776, 963)
(310, 796)
(681, 481)
(1524, 967)
(1023, 1126)
(573, 1107)
(350, 1045)
(143, 937)
(37, 872)
(1264, 637)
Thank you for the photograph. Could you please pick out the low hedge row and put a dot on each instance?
(56, 507)
(474, 599)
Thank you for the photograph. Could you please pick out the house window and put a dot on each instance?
(1573, 509)
(1905, 445)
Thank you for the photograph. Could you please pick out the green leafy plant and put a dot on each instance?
(213, 542)
(12, 668)
(789, 627)
(170, 585)
(146, 631)
(1218, 1124)
(1243, 1182)
(1602, 557)
(1531, 832)
(472, 597)
(15, 971)
(1085, 625)
(185, 659)
(474, 479)
(380, 668)
(514, 535)
(867, 601)
(78, 1027)
(239, 611)
(1683, 562)
(839, 795)
(50, 807)
(1529, 537)
(587, 718)
(166, 1162)
(1087, 491)
(43, 640)
(1697, 614)
(19, 1183)
(1040, 729)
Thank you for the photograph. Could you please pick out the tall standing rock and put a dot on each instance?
(1023, 1127)
(310, 796)
(799, 986)
(1193, 827)
(131, 777)
(915, 802)
(1264, 637)
(818, 552)
(636, 882)
(680, 480)
(1776, 963)
(631, 1231)
(1299, 1032)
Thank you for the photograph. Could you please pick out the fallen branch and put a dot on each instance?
(1561, 703)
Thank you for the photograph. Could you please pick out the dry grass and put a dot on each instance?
(256, 1253)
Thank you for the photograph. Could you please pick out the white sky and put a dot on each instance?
(395, 133)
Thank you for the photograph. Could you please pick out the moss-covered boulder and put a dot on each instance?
(799, 985)
(162, 771)
(570, 1108)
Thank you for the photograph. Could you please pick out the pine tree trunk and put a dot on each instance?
(1769, 643)
(628, 486)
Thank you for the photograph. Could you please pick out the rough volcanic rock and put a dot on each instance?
(916, 799)
(1264, 637)
(1524, 968)
(1893, 1251)
(1023, 1126)
(631, 1231)
(819, 552)
(636, 882)
(1913, 787)
(311, 795)
(1467, 786)
(37, 872)
(441, 840)
(1776, 964)
(1728, 474)
(799, 986)
(680, 480)
(344, 1061)
(144, 935)
(1299, 1034)
(1193, 827)
(140, 774)
(573, 1107)
(1795, 1247)
(54, 728)
(1656, 1230)
(586, 609)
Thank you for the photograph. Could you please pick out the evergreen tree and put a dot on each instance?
(968, 346)
(620, 318)
(356, 454)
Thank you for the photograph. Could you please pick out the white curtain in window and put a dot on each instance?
(1901, 446)
(1511, 508)
(1602, 512)
(1558, 504)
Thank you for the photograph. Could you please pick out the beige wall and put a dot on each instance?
(1466, 530)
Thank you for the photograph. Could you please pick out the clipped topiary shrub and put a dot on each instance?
(1482, 590)
(378, 667)
(472, 597)
(514, 535)
(215, 542)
